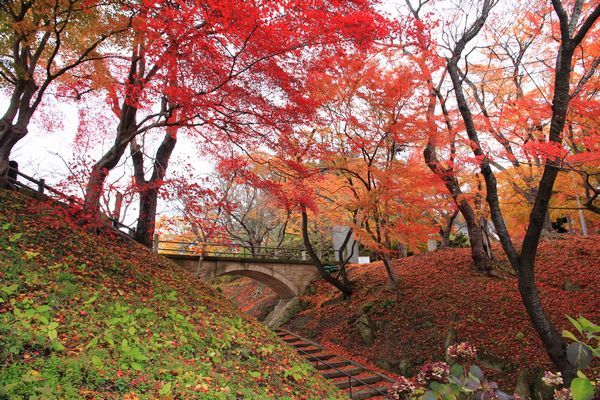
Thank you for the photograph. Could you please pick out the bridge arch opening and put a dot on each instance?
(277, 282)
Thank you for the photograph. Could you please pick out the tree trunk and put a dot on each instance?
(149, 189)
(389, 269)
(446, 230)
(144, 231)
(345, 289)
(480, 250)
(5, 149)
(551, 338)
(343, 274)
(15, 122)
(480, 253)
(530, 197)
(100, 171)
(126, 132)
(9, 136)
(343, 261)
(444, 238)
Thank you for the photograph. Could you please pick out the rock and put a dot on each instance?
(283, 312)
(365, 329)
(571, 287)
(364, 308)
(404, 367)
(491, 362)
(383, 364)
(522, 385)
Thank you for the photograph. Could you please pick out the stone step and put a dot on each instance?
(302, 344)
(331, 369)
(346, 383)
(368, 393)
(334, 364)
(344, 372)
(298, 338)
(310, 351)
(321, 357)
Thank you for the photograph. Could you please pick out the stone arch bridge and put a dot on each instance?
(287, 272)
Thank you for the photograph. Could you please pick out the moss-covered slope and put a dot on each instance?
(86, 316)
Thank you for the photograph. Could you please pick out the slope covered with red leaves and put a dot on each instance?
(440, 291)
(251, 297)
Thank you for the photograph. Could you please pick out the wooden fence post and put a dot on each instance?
(41, 184)
(13, 172)
(155, 244)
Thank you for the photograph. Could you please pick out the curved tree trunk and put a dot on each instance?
(524, 263)
(100, 170)
(126, 132)
(480, 251)
(387, 263)
(13, 125)
(345, 289)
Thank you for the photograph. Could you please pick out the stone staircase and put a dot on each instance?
(356, 380)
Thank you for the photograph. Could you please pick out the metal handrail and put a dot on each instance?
(246, 251)
(234, 249)
(350, 377)
(232, 244)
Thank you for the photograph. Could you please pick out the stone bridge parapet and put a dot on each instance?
(286, 278)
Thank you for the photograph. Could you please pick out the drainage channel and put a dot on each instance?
(355, 379)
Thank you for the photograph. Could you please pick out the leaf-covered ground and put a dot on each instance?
(251, 297)
(86, 316)
(440, 291)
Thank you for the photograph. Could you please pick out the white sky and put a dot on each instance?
(42, 154)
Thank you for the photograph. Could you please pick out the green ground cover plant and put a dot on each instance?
(86, 316)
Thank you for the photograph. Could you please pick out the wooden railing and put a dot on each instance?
(39, 189)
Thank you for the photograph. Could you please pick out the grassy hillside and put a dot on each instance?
(439, 292)
(85, 316)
